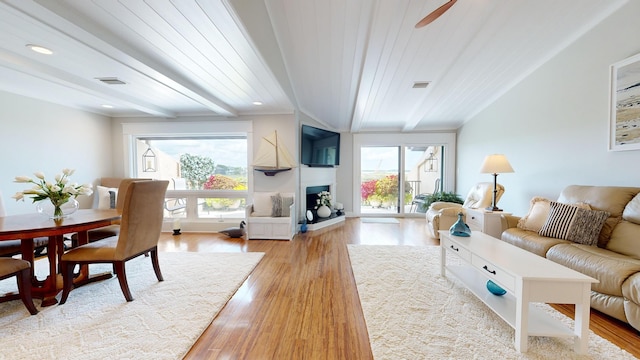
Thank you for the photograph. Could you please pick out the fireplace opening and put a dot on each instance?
(312, 195)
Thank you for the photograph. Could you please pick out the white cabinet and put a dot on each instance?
(488, 222)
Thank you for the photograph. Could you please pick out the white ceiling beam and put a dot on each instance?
(59, 77)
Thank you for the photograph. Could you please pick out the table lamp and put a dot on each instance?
(495, 164)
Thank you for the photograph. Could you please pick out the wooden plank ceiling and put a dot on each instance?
(350, 65)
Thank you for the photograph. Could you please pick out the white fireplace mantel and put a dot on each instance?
(310, 176)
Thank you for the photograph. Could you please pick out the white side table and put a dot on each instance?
(488, 222)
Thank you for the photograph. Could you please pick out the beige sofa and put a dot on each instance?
(612, 255)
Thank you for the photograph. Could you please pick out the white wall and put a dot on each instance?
(553, 126)
(40, 136)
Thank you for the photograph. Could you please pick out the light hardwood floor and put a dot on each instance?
(301, 301)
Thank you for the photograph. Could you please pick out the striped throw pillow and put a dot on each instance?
(572, 223)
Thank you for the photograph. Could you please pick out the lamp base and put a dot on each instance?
(489, 208)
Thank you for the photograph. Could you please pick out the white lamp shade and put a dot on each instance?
(496, 164)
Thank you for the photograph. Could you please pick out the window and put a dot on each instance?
(207, 171)
(211, 163)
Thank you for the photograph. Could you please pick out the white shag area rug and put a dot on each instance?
(96, 322)
(414, 313)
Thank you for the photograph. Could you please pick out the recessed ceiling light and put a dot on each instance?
(257, 103)
(107, 106)
(40, 49)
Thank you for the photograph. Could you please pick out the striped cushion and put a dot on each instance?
(575, 224)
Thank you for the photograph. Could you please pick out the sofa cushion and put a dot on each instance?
(481, 195)
(631, 212)
(573, 223)
(531, 241)
(262, 203)
(610, 268)
(625, 239)
(537, 215)
(280, 204)
(106, 197)
(539, 212)
(612, 199)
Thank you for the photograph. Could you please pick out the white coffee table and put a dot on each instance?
(528, 278)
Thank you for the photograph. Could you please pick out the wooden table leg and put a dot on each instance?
(52, 284)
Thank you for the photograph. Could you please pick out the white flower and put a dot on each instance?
(22, 179)
(69, 189)
(324, 198)
(57, 192)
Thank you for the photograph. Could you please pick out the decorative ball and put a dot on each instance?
(495, 289)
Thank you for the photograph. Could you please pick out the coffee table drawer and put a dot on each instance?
(494, 272)
(463, 253)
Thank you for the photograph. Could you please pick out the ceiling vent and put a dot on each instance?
(111, 81)
(421, 84)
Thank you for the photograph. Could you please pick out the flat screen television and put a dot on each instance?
(319, 147)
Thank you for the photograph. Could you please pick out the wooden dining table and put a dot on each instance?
(26, 227)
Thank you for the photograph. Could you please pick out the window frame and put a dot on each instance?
(133, 131)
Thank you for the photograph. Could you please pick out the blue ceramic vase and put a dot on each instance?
(459, 228)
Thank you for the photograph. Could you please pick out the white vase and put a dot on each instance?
(324, 211)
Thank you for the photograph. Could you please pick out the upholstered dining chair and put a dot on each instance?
(10, 248)
(21, 270)
(140, 226)
(113, 230)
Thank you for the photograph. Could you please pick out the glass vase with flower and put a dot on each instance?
(61, 194)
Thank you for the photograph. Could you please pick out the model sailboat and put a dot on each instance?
(272, 156)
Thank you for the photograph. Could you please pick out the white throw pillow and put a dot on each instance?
(537, 215)
(105, 198)
(262, 203)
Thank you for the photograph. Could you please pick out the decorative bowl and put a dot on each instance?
(495, 289)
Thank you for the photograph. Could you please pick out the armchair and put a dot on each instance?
(271, 216)
(441, 215)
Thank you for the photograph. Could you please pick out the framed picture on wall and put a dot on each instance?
(624, 106)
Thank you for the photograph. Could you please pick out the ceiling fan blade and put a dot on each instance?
(435, 14)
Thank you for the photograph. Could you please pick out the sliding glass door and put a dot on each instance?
(397, 179)
(423, 174)
(379, 179)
